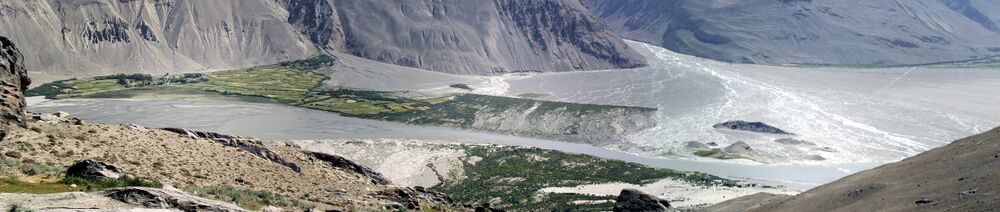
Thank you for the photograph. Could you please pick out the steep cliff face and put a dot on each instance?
(83, 38)
(482, 37)
(112, 36)
(886, 32)
(13, 81)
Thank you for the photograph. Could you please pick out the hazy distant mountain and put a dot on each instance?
(814, 32)
(70, 37)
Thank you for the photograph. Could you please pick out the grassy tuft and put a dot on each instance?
(248, 198)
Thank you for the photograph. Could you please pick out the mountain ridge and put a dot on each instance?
(84, 38)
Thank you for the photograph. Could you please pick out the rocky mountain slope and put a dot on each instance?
(961, 176)
(886, 32)
(76, 38)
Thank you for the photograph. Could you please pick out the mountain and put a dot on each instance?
(880, 32)
(961, 176)
(73, 38)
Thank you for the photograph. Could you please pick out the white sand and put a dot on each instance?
(680, 194)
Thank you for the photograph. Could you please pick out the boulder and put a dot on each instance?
(166, 199)
(94, 170)
(634, 200)
(411, 198)
(13, 82)
(751, 127)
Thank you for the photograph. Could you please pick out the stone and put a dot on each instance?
(635, 200)
(94, 170)
(165, 199)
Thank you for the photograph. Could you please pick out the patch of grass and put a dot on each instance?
(248, 198)
(286, 85)
(13, 185)
(12, 167)
(461, 86)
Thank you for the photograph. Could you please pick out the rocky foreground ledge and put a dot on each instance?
(191, 167)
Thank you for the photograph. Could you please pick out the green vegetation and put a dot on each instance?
(290, 86)
(248, 198)
(509, 177)
(30, 177)
(717, 154)
(461, 86)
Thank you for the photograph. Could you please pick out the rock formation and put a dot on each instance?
(94, 170)
(13, 81)
(811, 32)
(168, 199)
(341, 162)
(635, 200)
(751, 127)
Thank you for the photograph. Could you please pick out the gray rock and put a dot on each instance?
(344, 163)
(739, 147)
(271, 208)
(411, 198)
(13, 81)
(93, 169)
(166, 199)
(634, 200)
(750, 127)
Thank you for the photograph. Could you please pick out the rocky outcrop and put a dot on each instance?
(344, 163)
(811, 32)
(94, 170)
(751, 127)
(635, 200)
(167, 199)
(251, 145)
(13, 81)
(412, 197)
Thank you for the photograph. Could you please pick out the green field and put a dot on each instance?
(509, 178)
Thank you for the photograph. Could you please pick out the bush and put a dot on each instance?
(248, 198)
